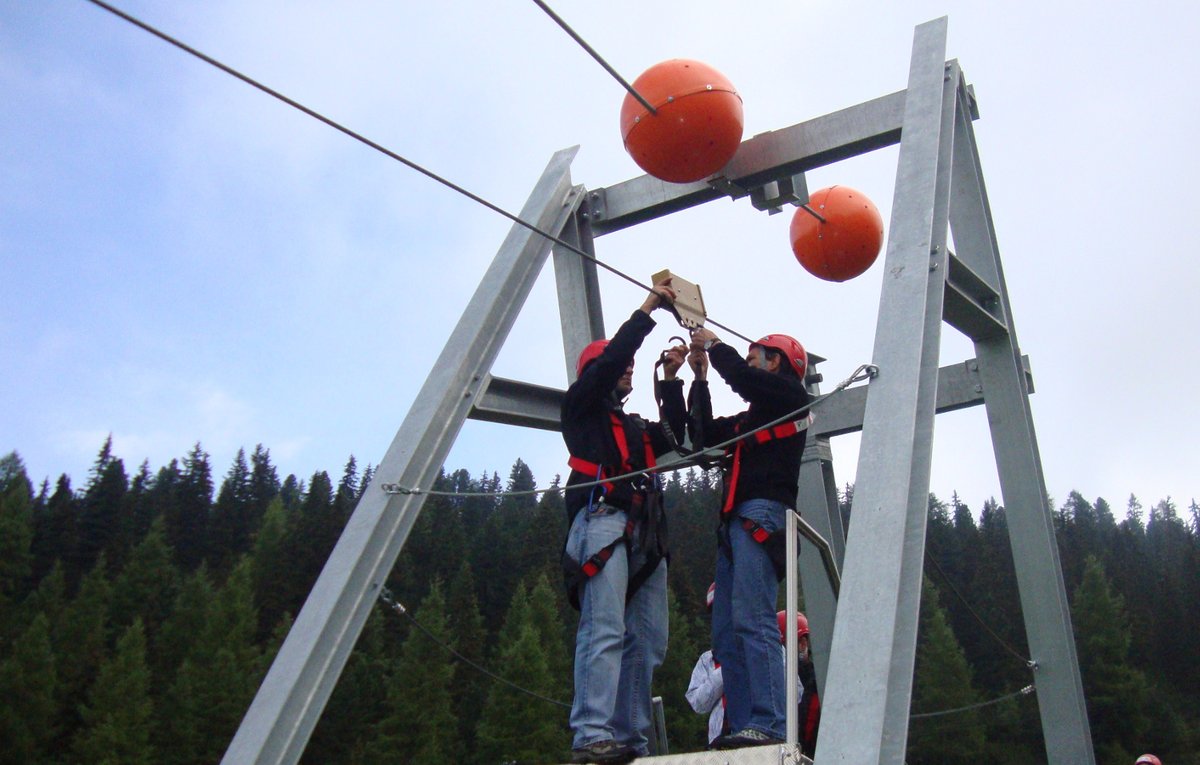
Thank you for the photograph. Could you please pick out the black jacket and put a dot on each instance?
(587, 428)
(769, 470)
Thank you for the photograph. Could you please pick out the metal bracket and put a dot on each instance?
(727, 187)
(596, 204)
(773, 195)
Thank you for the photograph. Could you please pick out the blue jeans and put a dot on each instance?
(617, 646)
(745, 632)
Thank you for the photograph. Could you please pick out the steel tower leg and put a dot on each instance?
(1044, 602)
(866, 707)
(281, 718)
(818, 504)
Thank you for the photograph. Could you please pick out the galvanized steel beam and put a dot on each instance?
(866, 704)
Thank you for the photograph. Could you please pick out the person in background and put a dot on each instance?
(706, 691)
(808, 713)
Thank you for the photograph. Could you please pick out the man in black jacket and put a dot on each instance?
(760, 486)
(615, 557)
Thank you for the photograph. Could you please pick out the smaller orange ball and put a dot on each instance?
(697, 123)
(846, 243)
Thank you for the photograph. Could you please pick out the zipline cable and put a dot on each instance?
(583, 43)
(386, 597)
(1030, 663)
(926, 715)
(382, 149)
(863, 372)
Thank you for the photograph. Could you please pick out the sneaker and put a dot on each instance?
(608, 752)
(743, 738)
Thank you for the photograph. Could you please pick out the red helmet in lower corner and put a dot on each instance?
(1148, 759)
(590, 353)
(790, 347)
(801, 626)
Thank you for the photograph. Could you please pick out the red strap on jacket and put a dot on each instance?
(783, 430)
(600, 471)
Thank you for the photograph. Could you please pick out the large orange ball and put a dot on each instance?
(846, 243)
(696, 127)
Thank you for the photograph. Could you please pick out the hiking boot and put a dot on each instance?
(743, 738)
(608, 752)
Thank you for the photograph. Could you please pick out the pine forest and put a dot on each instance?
(140, 610)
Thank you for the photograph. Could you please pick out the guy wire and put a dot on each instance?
(381, 149)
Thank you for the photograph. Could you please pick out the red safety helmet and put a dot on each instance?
(1148, 759)
(790, 347)
(590, 353)
(712, 593)
(801, 625)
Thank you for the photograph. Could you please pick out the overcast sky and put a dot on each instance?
(184, 259)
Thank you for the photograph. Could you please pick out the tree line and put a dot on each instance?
(140, 611)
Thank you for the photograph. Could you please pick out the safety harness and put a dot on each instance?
(643, 506)
(770, 540)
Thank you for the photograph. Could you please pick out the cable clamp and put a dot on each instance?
(386, 596)
(395, 488)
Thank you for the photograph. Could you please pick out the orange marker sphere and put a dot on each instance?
(696, 127)
(846, 243)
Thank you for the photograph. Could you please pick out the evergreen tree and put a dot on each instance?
(1115, 692)
(357, 704)
(140, 514)
(942, 681)
(28, 685)
(470, 636)
(187, 517)
(545, 615)
(346, 496)
(264, 484)
(312, 532)
(48, 600)
(100, 520)
(81, 643)
(145, 590)
(56, 535)
(188, 618)
(367, 476)
(218, 677)
(270, 567)
(232, 517)
(420, 726)
(16, 543)
(118, 716)
(513, 727)
(435, 545)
